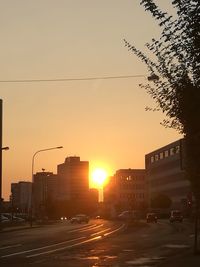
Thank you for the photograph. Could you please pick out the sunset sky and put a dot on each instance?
(102, 121)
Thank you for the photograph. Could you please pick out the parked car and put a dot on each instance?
(128, 215)
(151, 217)
(125, 215)
(80, 218)
(4, 219)
(13, 218)
(176, 216)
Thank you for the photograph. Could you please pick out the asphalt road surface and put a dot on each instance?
(98, 243)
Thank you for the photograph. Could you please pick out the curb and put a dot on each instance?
(184, 259)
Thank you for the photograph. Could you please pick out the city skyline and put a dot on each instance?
(102, 121)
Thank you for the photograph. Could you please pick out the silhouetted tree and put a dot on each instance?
(177, 91)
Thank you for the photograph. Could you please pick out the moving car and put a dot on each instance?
(63, 218)
(80, 218)
(176, 216)
(151, 217)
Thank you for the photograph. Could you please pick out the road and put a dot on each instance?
(99, 243)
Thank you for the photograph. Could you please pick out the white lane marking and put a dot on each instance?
(116, 230)
(85, 228)
(36, 249)
(97, 233)
(75, 245)
(63, 248)
(13, 246)
(91, 228)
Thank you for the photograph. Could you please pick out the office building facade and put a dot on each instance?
(73, 177)
(165, 169)
(127, 189)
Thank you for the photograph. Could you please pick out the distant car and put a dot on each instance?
(151, 217)
(176, 216)
(80, 218)
(98, 217)
(63, 218)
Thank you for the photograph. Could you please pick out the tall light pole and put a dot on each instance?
(1, 148)
(32, 175)
(1, 130)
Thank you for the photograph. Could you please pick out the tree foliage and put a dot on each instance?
(177, 63)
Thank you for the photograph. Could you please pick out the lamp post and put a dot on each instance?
(1, 148)
(5, 148)
(32, 175)
(1, 199)
(1, 133)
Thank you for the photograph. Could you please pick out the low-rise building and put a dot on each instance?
(127, 190)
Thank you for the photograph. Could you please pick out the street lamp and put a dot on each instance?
(5, 148)
(32, 175)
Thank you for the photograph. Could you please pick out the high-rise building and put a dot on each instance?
(73, 177)
(165, 168)
(21, 196)
(45, 190)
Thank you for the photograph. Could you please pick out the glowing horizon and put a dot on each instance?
(99, 177)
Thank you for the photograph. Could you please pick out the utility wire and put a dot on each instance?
(72, 79)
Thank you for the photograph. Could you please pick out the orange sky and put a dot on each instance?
(102, 121)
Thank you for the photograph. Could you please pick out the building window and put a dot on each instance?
(166, 153)
(161, 155)
(128, 178)
(152, 159)
(177, 149)
(172, 151)
(156, 157)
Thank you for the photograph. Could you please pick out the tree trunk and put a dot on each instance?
(196, 230)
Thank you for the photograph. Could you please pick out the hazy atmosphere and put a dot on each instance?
(102, 121)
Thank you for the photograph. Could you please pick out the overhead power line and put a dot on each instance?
(72, 79)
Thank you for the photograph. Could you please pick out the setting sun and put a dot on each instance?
(99, 177)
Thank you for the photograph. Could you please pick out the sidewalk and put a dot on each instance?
(185, 259)
(7, 229)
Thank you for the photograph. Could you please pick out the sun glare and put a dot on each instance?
(99, 177)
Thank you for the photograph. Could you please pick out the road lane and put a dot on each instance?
(75, 234)
(41, 248)
(77, 244)
(151, 241)
(42, 235)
